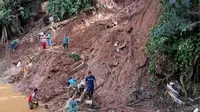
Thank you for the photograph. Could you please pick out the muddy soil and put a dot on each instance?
(115, 35)
(9, 97)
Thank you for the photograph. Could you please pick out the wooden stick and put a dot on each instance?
(110, 70)
(81, 66)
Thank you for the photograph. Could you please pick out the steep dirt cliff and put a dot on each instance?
(125, 24)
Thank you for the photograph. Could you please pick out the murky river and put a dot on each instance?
(11, 101)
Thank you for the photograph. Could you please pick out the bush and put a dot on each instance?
(76, 57)
(62, 9)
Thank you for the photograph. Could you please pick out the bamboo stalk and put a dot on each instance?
(110, 70)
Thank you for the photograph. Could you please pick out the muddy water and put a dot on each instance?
(11, 101)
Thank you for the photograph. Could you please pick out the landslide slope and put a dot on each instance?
(93, 36)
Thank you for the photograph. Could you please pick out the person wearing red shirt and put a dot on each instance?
(32, 100)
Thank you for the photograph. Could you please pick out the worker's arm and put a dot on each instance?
(86, 81)
(95, 81)
(34, 97)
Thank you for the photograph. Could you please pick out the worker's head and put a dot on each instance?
(35, 90)
(66, 35)
(89, 73)
(17, 40)
(69, 78)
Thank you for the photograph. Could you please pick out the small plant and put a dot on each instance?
(76, 57)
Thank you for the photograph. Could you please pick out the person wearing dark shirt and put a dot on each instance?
(91, 82)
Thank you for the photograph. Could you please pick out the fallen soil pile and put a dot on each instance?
(115, 36)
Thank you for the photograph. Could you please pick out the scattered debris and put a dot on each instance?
(110, 70)
(81, 66)
(18, 64)
(196, 110)
(120, 48)
(30, 64)
(174, 97)
(89, 102)
(173, 90)
(116, 44)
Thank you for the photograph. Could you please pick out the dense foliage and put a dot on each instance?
(62, 9)
(14, 13)
(174, 48)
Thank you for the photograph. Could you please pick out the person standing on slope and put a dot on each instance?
(66, 42)
(32, 100)
(49, 39)
(43, 40)
(90, 81)
(13, 44)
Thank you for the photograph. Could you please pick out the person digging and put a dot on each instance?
(81, 86)
(72, 86)
(32, 99)
(13, 44)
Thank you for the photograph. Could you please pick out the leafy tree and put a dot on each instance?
(62, 9)
(13, 13)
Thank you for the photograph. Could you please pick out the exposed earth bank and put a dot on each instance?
(115, 35)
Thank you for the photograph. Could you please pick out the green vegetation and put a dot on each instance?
(62, 9)
(76, 57)
(14, 13)
(174, 48)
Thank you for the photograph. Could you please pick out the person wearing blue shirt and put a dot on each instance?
(49, 39)
(72, 86)
(71, 82)
(73, 106)
(13, 44)
(90, 81)
(66, 42)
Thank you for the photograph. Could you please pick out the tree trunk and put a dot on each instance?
(4, 36)
(17, 26)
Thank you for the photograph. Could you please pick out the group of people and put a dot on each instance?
(75, 90)
(45, 41)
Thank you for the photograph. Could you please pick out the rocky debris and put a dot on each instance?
(116, 44)
(121, 47)
(54, 70)
(137, 96)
